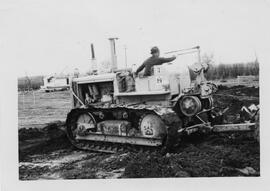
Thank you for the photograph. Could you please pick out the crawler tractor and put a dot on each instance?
(115, 111)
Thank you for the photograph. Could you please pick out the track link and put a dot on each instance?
(111, 148)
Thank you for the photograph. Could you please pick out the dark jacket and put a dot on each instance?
(150, 62)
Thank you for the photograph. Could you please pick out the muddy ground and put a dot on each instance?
(45, 153)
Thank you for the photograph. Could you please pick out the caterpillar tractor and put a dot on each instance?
(115, 111)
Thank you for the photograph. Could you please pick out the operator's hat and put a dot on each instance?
(154, 50)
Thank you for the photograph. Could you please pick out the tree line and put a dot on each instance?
(30, 83)
(227, 71)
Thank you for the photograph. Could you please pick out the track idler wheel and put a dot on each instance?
(79, 122)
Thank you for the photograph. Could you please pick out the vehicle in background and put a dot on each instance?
(55, 83)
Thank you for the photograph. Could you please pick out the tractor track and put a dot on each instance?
(168, 116)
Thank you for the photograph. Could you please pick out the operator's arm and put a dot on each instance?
(165, 60)
(140, 68)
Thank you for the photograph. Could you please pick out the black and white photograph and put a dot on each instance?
(145, 90)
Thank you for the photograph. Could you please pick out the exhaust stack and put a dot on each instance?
(113, 53)
(92, 51)
(93, 60)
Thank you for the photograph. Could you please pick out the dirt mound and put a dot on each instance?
(222, 87)
(235, 98)
(217, 156)
(239, 90)
(151, 166)
(42, 140)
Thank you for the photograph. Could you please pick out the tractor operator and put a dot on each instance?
(152, 61)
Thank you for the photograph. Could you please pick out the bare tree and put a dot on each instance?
(208, 59)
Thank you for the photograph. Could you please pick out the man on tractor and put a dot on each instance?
(152, 61)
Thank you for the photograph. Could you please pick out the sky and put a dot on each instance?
(40, 37)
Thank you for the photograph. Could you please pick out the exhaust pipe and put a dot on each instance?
(93, 60)
(92, 51)
(113, 53)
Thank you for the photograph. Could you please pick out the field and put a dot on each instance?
(45, 153)
(36, 108)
